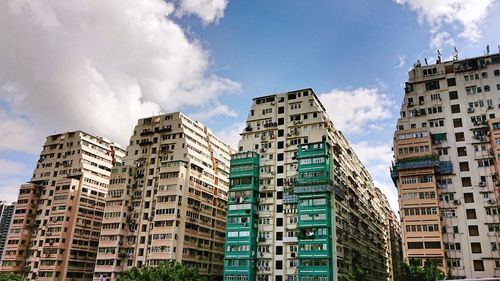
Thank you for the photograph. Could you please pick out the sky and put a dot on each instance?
(98, 66)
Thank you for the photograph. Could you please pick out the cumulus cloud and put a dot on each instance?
(211, 110)
(468, 15)
(9, 189)
(401, 63)
(97, 66)
(358, 110)
(231, 134)
(9, 167)
(208, 10)
(377, 158)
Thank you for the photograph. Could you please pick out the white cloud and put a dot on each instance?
(390, 192)
(96, 66)
(18, 134)
(465, 14)
(401, 63)
(208, 10)
(377, 160)
(231, 134)
(441, 39)
(9, 167)
(370, 153)
(9, 191)
(353, 111)
(211, 110)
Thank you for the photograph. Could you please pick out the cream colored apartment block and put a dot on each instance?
(167, 201)
(446, 149)
(276, 125)
(56, 225)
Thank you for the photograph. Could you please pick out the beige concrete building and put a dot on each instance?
(393, 240)
(167, 200)
(317, 214)
(446, 150)
(57, 221)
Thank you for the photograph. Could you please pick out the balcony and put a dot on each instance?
(441, 167)
(289, 198)
(314, 188)
(290, 239)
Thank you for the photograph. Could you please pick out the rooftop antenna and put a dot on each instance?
(488, 49)
(425, 59)
(455, 53)
(439, 57)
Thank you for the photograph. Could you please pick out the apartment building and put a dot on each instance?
(301, 204)
(167, 199)
(56, 225)
(393, 240)
(6, 211)
(446, 149)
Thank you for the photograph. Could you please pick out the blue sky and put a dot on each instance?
(209, 58)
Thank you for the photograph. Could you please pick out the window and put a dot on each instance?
(453, 95)
(471, 214)
(457, 122)
(473, 230)
(453, 262)
(433, 245)
(475, 248)
(459, 137)
(464, 166)
(466, 182)
(496, 72)
(451, 82)
(279, 250)
(432, 85)
(478, 265)
(487, 88)
(469, 197)
(455, 108)
(462, 151)
(415, 245)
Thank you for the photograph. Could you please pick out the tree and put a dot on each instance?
(414, 271)
(166, 271)
(11, 277)
(359, 275)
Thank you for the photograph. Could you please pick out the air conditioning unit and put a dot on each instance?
(490, 106)
(482, 184)
(457, 202)
(491, 201)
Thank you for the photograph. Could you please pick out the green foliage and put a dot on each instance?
(11, 277)
(415, 272)
(166, 271)
(359, 275)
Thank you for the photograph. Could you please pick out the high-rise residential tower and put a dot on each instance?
(6, 212)
(447, 151)
(55, 228)
(168, 199)
(301, 204)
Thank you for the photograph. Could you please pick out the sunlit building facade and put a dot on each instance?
(447, 151)
(301, 204)
(57, 221)
(167, 200)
